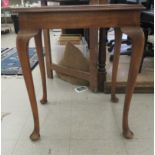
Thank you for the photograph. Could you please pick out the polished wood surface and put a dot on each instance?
(75, 8)
(94, 17)
(118, 37)
(137, 37)
(113, 16)
(22, 47)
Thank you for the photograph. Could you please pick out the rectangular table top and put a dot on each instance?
(76, 8)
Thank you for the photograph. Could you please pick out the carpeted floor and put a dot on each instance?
(10, 64)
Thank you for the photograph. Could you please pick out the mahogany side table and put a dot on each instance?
(124, 18)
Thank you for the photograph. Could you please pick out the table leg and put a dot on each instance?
(102, 59)
(22, 47)
(118, 38)
(48, 53)
(93, 59)
(39, 48)
(137, 37)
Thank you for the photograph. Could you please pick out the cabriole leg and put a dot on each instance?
(137, 37)
(39, 48)
(48, 56)
(118, 38)
(22, 47)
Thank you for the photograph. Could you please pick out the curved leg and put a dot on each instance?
(22, 47)
(137, 37)
(118, 38)
(48, 53)
(38, 43)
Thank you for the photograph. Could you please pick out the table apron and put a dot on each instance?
(79, 19)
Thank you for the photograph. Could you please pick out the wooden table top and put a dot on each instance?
(76, 8)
